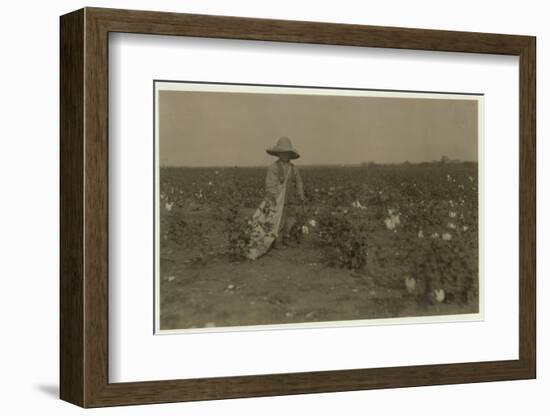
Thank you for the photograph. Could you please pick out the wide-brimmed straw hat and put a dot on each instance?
(283, 145)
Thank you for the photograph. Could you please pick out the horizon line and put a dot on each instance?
(366, 164)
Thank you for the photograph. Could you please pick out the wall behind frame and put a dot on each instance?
(29, 215)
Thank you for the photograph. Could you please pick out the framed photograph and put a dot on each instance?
(255, 207)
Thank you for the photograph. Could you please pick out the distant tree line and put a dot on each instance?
(444, 160)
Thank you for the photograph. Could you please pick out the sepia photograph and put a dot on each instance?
(295, 207)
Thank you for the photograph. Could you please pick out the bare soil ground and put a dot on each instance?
(284, 286)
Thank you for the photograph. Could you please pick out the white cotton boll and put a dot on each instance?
(169, 206)
(439, 295)
(312, 222)
(447, 236)
(396, 220)
(421, 234)
(435, 235)
(452, 214)
(464, 228)
(410, 284)
(357, 204)
(392, 222)
(451, 225)
(305, 230)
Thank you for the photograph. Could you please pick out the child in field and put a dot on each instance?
(274, 219)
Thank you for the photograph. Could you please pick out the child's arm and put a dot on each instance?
(299, 184)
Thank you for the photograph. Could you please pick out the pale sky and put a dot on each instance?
(234, 129)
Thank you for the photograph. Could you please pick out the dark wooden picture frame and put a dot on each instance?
(84, 207)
